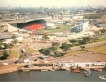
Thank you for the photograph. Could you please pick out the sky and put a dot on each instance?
(48, 3)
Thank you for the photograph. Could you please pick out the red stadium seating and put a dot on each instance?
(35, 26)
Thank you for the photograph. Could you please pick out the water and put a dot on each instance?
(51, 76)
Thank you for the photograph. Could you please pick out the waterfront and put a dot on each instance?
(55, 76)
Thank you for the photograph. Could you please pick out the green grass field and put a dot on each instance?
(13, 54)
(62, 28)
(99, 49)
(30, 51)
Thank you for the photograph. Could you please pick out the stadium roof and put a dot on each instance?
(24, 20)
(16, 21)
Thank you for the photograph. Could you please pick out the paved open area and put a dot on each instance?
(85, 57)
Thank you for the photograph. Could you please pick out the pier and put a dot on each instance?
(64, 66)
(92, 67)
(36, 68)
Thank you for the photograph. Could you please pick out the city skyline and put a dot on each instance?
(48, 3)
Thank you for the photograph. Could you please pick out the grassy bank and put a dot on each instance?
(99, 49)
(102, 39)
(74, 52)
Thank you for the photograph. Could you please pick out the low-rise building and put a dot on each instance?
(50, 26)
(80, 26)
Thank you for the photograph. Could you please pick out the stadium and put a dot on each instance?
(30, 25)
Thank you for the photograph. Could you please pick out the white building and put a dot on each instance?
(7, 41)
(50, 26)
(20, 39)
(80, 26)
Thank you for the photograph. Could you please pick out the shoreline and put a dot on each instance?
(8, 69)
(80, 66)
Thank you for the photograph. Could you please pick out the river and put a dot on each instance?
(51, 76)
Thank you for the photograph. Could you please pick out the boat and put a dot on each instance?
(76, 71)
(87, 73)
(102, 77)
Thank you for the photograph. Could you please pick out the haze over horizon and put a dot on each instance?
(48, 3)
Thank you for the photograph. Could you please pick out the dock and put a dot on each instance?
(92, 67)
(37, 66)
(63, 66)
(43, 68)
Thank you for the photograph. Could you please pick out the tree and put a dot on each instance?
(65, 47)
(86, 39)
(73, 41)
(52, 49)
(103, 31)
(82, 47)
(81, 41)
(58, 54)
(96, 33)
(45, 37)
(14, 38)
(55, 45)
(91, 39)
(45, 51)
(94, 38)
(5, 55)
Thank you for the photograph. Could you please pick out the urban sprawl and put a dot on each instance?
(50, 39)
